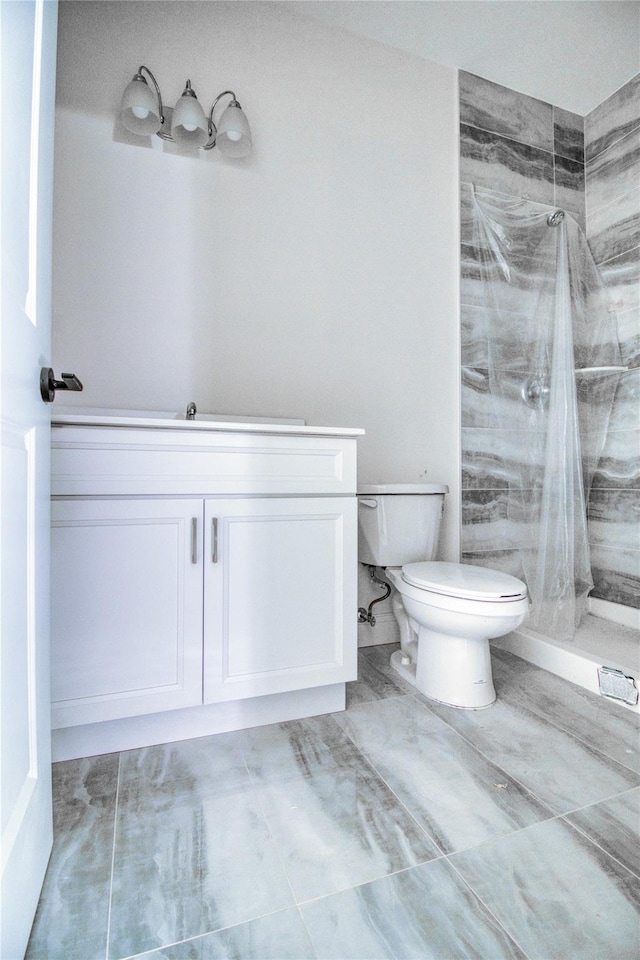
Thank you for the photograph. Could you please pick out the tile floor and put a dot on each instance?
(401, 828)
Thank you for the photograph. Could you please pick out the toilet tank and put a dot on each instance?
(399, 523)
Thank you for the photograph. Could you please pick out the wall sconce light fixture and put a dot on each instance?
(143, 113)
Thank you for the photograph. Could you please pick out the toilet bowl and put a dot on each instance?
(446, 612)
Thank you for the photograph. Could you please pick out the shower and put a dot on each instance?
(552, 360)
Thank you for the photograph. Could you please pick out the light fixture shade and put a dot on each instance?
(189, 124)
(234, 136)
(139, 110)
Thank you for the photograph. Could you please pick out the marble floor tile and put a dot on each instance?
(560, 770)
(299, 748)
(557, 893)
(339, 829)
(615, 825)
(374, 680)
(604, 726)
(279, 936)
(213, 764)
(426, 913)
(192, 867)
(380, 658)
(217, 839)
(456, 794)
(72, 916)
(82, 787)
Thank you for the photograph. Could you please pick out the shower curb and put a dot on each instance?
(566, 660)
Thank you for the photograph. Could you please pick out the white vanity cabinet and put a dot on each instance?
(203, 578)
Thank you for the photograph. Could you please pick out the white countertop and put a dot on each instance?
(148, 420)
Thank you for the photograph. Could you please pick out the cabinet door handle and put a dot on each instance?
(194, 540)
(214, 540)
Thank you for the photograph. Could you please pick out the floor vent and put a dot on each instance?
(617, 685)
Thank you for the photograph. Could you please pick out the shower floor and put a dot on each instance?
(598, 642)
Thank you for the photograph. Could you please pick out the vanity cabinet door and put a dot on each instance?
(126, 592)
(280, 595)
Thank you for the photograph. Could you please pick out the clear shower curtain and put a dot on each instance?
(552, 350)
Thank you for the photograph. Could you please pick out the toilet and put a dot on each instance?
(446, 612)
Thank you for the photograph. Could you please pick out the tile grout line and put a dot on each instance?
(504, 136)
(557, 725)
(614, 143)
(494, 763)
(553, 814)
(364, 759)
(113, 857)
(217, 930)
(560, 818)
(200, 936)
(594, 803)
(594, 842)
(366, 883)
(423, 701)
(254, 787)
(442, 853)
(487, 907)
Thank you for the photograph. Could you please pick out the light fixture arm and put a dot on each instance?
(157, 88)
(213, 131)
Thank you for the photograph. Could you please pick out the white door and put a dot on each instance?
(28, 35)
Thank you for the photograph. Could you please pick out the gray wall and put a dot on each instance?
(526, 148)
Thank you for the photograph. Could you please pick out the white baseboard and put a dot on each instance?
(111, 736)
(384, 631)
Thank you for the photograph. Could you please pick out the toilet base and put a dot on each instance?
(448, 689)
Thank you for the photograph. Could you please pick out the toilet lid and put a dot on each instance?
(389, 489)
(464, 580)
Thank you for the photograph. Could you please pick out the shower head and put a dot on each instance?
(555, 218)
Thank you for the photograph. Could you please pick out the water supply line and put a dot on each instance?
(366, 616)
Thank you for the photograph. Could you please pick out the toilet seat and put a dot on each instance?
(464, 581)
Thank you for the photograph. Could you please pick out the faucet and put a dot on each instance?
(191, 411)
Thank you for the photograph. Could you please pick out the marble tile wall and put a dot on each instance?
(528, 149)
(612, 192)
